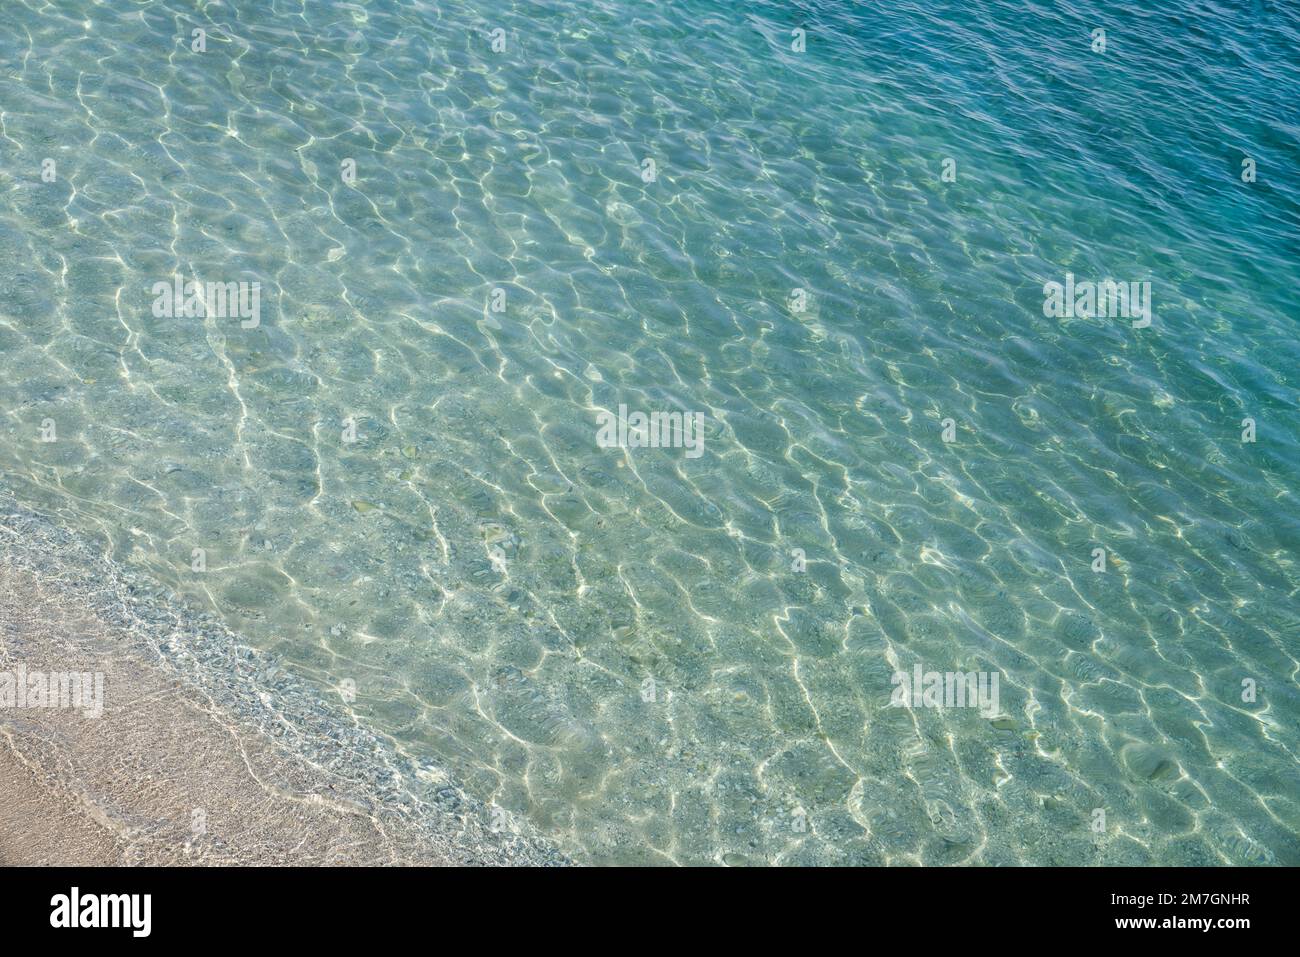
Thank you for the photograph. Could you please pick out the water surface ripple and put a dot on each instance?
(498, 588)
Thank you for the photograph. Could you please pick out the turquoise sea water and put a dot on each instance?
(656, 657)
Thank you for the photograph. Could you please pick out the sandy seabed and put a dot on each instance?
(203, 754)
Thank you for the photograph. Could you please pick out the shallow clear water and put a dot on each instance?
(498, 587)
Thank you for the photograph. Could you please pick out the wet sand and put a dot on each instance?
(170, 773)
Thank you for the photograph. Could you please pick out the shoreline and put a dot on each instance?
(203, 754)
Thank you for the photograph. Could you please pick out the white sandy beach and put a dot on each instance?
(169, 775)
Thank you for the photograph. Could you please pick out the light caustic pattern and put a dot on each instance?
(623, 646)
